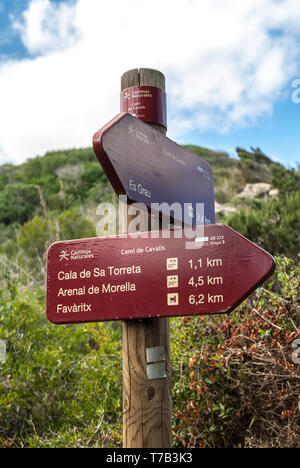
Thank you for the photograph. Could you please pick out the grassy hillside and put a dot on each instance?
(234, 381)
(55, 197)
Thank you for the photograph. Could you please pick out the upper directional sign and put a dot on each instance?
(151, 169)
(127, 276)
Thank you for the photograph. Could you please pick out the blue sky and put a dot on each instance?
(229, 67)
(11, 44)
(276, 135)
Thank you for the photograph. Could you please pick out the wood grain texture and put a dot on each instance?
(146, 403)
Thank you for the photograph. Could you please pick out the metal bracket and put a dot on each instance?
(157, 368)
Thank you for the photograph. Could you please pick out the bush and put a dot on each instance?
(256, 155)
(35, 237)
(7, 172)
(228, 182)
(74, 226)
(215, 158)
(274, 224)
(7, 233)
(49, 163)
(286, 180)
(235, 384)
(18, 203)
(60, 386)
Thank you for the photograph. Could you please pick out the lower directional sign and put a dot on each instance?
(127, 277)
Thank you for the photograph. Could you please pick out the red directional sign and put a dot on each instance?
(127, 277)
(151, 169)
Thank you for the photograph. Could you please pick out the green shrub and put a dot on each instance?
(8, 232)
(215, 158)
(286, 180)
(36, 236)
(234, 381)
(60, 386)
(18, 203)
(228, 182)
(256, 155)
(6, 174)
(46, 165)
(93, 174)
(274, 225)
(74, 226)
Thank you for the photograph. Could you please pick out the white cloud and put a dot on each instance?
(46, 26)
(224, 67)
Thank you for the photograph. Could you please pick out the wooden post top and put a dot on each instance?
(143, 77)
(146, 97)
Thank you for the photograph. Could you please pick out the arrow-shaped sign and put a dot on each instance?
(151, 169)
(130, 276)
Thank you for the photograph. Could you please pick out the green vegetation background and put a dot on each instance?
(234, 382)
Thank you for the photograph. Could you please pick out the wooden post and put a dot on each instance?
(146, 347)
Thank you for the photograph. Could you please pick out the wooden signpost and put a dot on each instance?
(143, 281)
(147, 406)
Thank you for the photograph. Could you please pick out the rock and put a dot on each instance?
(273, 193)
(258, 190)
(70, 171)
(224, 210)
